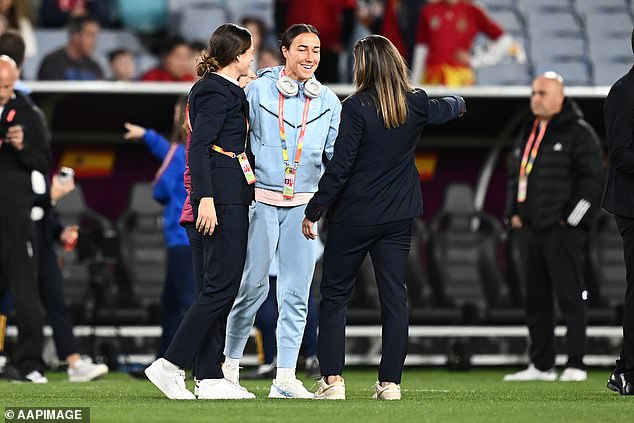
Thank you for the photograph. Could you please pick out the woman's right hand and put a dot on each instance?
(207, 221)
(134, 131)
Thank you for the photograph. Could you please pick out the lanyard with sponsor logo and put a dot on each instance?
(528, 158)
(291, 171)
(243, 160)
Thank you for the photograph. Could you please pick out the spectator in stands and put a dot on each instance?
(335, 21)
(221, 192)
(25, 147)
(56, 13)
(446, 31)
(12, 45)
(554, 187)
(619, 125)
(73, 62)
(18, 15)
(268, 58)
(179, 289)
(122, 65)
(367, 216)
(283, 186)
(257, 28)
(176, 59)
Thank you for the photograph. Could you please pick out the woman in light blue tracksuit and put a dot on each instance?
(278, 211)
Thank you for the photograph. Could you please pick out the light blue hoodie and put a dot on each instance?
(266, 144)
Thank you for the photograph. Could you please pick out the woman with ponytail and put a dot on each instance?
(221, 189)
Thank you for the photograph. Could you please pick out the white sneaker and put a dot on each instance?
(391, 391)
(531, 373)
(334, 391)
(222, 389)
(572, 374)
(86, 371)
(35, 377)
(169, 379)
(289, 388)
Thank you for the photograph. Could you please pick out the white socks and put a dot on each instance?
(232, 362)
(285, 373)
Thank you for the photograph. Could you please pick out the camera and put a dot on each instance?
(65, 175)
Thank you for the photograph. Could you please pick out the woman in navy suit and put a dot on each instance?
(372, 191)
(221, 191)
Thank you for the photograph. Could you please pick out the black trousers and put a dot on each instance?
(18, 274)
(199, 339)
(555, 265)
(51, 288)
(625, 363)
(346, 247)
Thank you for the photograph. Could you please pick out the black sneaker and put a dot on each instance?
(623, 383)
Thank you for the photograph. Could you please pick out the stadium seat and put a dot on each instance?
(261, 9)
(143, 16)
(557, 49)
(545, 24)
(526, 7)
(609, 73)
(509, 21)
(143, 248)
(86, 271)
(503, 74)
(589, 7)
(574, 73)
(197, 23)
(462, 260)
(609, 24)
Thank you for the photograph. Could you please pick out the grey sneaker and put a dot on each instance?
(86, 370)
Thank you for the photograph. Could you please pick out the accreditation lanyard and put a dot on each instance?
(528, 159)
(291, 171)
(243, 160)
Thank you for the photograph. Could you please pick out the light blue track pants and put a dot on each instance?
(274, 231)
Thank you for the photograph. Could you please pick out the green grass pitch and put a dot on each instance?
(429, 395)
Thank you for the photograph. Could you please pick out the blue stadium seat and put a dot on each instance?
(574, 73)
(504, 74)
(527, 6)
(144, 16)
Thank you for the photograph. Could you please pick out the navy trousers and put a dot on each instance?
(346, 247)
(178, 293)
(199, 339)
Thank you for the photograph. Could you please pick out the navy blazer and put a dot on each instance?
(218, 113)
(618, 196)
(372, 177)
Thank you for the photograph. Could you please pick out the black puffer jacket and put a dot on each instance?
(16, 192)
(567, 175)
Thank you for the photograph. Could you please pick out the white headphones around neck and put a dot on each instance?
(289, 88)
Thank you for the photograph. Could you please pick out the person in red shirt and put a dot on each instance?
(335, 21)
(176, 63)
(446, 31)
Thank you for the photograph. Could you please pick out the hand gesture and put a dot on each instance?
(134, 131)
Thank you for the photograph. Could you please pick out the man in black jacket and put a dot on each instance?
(618, 199)
(553, 193)
(24, 147)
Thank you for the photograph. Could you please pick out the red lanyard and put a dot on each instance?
(526, 167)
(302, 131)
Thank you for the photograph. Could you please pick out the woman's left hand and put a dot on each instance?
(308, 229)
